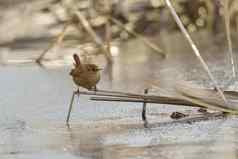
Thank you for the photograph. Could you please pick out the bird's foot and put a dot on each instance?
(77, 92)
(95, 89)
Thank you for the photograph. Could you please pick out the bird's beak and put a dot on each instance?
(99, 69)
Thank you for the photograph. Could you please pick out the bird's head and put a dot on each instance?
(96, 69)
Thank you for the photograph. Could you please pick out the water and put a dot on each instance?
(34, 102)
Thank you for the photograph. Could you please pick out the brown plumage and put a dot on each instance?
(85, 75)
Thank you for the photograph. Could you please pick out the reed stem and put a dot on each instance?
(70, 106)
(169, 101)
(228, 35)
(195, 49)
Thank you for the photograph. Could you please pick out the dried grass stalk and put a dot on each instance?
(195, 49)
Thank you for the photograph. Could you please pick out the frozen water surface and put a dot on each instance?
(34, 102)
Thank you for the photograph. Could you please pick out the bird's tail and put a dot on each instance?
(77, 60)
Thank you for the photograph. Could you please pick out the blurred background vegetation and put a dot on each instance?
(36, 28)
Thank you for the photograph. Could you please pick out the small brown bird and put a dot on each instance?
(85, 75)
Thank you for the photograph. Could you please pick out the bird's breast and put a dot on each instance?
(87, 79)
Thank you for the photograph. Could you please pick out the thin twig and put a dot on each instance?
(164, 100)
(132, 97)
(230, 94)
(126, 95)
(122, 93)
(57, 41)
(195, 49)
(70, 106)
(190, 120)
(198, 98)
